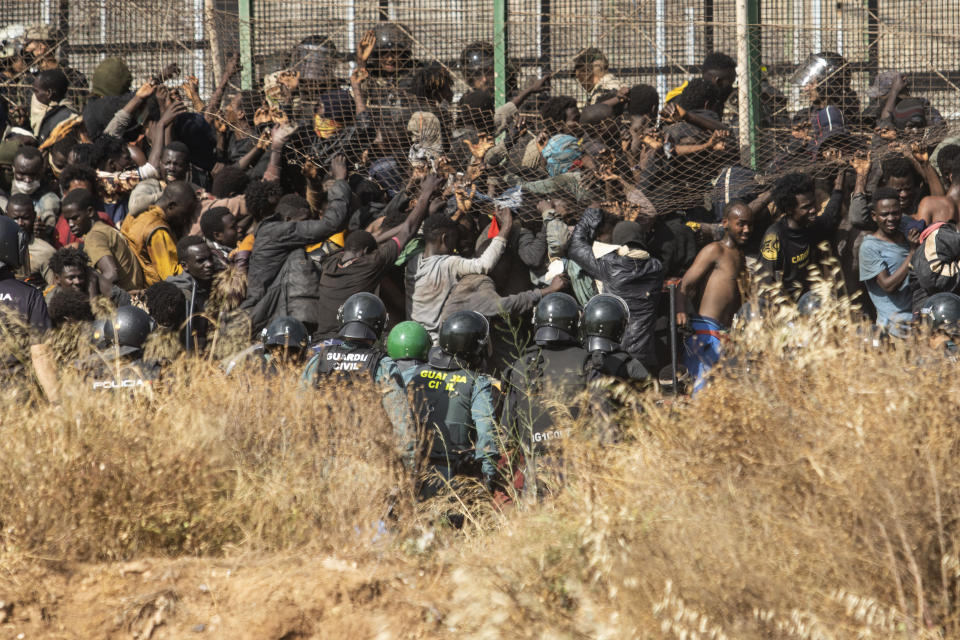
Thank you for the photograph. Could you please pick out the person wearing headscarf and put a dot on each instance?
(425, 133)
(561, 153)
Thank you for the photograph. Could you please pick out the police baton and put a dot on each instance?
(672, 292)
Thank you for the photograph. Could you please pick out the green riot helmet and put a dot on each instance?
(408, 341)
(942, 312)
(556, 319)
(604, 321)
(128, 329)
(464, 335)
(285, 332)
(362, 317)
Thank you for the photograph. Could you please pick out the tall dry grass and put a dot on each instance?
(198, 464)
(811, 491)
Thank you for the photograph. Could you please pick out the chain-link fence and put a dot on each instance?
(660, 43)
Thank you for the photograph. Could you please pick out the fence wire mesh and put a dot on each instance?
(623, 152)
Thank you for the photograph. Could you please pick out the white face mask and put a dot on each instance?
(25, 187)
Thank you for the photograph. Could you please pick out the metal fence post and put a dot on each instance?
(748, 79)
(500, 51)
(246, 45)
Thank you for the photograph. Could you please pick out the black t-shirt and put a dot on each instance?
(27, 301)
(340, 281)
(790, 252)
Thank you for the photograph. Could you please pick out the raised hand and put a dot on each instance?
(147, 89)
(479, 148)
(861, 162)
(262, 116)
(365, 48)
(338, 167)
(672, 112)
(358, 76)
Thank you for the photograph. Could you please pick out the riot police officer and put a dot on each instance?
(392, 55)
(355, 357)
(315, 58)
(118, 364)
(408, 344)
(391, 66)
(556, 363)
(604, 321)
(25, 317)
(941, 312)
(454, 404)
(476, 64)
(283, 341)
(825, 78)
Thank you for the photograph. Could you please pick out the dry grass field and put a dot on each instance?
(810, 492)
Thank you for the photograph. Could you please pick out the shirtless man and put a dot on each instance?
(715, 273)
(950, 168)
(934, 208)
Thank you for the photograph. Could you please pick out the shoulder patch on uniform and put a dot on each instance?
(770, 249)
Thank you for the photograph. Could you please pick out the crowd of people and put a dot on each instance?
(461, 256)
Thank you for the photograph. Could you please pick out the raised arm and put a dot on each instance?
(158, 137)
(405, 229)
(279, 138)
(581, 243)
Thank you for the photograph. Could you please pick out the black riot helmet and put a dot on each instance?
(942, 312)
(464, 335)
(808, 303)
(556, 319)
(391, 39)
(604, 320)
(285, 332)
(315, 58)
(128, 329)
(391, 36)
(476, 60)
(13, 243)
(362, 317)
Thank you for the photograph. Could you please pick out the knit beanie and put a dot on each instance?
(111, 77)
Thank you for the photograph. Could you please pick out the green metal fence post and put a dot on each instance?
(748, 77)
(246, 45)
(500, 51)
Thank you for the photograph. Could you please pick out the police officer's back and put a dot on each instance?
(283, 341)
(354, 354)
(605, 320)
(555, 364)
(354, 359)
(454, 404)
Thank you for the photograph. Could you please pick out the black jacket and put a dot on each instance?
(281, 278)
(632, 274)
(935, 265)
